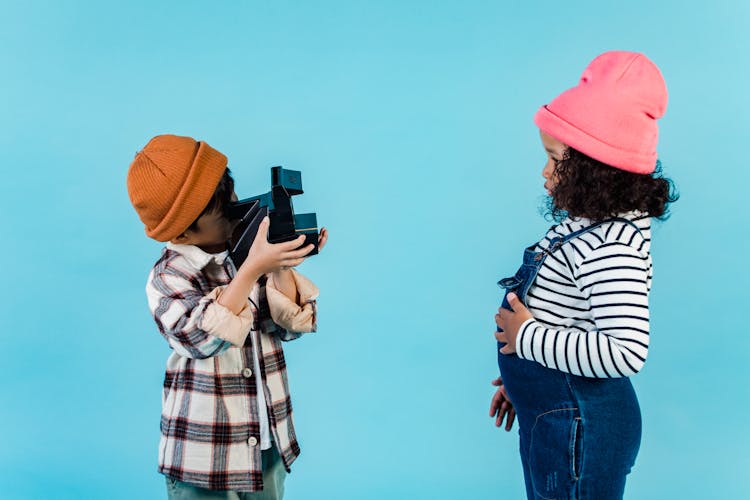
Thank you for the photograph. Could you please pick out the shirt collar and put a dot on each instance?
(197, 257)
(580, 222)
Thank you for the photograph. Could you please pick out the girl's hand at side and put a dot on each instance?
(500, 406)
(510, 322)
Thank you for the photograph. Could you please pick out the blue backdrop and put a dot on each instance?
(412, 124)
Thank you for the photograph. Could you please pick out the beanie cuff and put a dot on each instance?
(572, 136)
(206, 171)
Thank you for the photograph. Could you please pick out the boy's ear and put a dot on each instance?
(181, 239)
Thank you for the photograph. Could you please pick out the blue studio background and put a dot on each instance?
(412, 125)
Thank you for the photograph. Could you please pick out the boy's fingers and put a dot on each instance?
(292, 244)
(296, 254)
(497, 381)
(305, 249)
(262, 235)
(263, 226)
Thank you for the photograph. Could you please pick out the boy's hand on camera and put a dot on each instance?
(500, 406)
(510, 322)
(265, 257)
(322, 238)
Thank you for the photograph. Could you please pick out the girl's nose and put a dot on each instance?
(546, 171)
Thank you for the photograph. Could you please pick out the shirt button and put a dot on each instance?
(247, 373)
(253, 441)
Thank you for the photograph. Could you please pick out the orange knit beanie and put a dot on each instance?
(171, 181)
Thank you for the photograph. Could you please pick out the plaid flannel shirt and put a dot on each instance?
(210, 429)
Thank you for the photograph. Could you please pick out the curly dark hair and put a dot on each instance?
(590, 189)
(219, 200)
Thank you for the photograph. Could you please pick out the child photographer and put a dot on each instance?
(226, 424)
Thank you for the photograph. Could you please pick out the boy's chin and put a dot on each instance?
(215, 247)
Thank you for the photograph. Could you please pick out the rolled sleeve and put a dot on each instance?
(178, 308)
(295, 317)
(223, 323)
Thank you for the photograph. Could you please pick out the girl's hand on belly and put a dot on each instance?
(510, 322)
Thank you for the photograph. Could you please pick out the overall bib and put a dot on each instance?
(579, 436)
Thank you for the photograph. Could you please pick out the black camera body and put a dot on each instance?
(277, 204)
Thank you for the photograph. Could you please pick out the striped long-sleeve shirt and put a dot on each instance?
(590, 300)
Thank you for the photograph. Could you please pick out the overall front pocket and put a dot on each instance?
(554, 453)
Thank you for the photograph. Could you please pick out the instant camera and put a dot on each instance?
(277, 204)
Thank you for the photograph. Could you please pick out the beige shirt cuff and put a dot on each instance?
(221, 322)
(293, 317)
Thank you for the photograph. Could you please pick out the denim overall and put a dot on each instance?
(579, 436)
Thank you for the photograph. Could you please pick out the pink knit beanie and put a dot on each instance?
(611, 114)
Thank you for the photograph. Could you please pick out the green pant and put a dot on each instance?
(274, 474)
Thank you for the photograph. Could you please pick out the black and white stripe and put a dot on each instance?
(590, 301)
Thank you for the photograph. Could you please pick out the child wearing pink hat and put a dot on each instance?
(574, 323)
